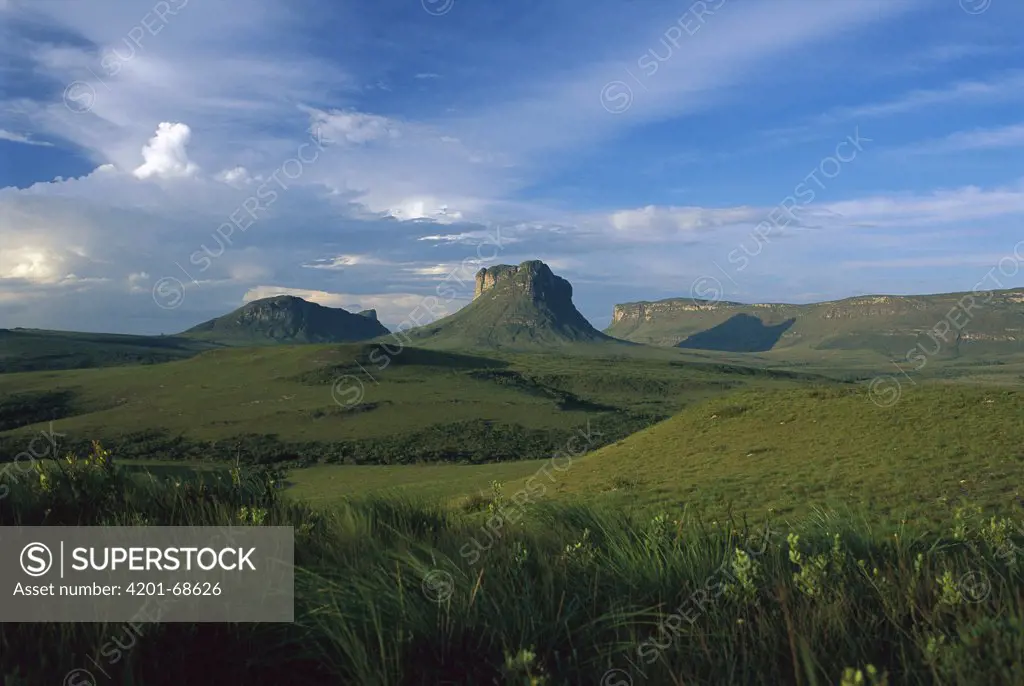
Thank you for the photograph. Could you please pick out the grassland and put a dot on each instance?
(26, 350)
(671, 429)
(393, 592)
(786, 453)
(789, 451)
(358, 404)
(652, 544)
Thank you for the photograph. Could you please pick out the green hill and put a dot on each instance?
(288, 319)
(791, 450)
(946, 325)
(513, 307)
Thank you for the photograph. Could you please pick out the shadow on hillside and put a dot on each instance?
(743, 333)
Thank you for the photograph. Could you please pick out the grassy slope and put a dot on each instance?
(798, 449)
(23, 350)
(388, 592)
(839, 451)
(330, 485)
(287, 391)
(758, 449)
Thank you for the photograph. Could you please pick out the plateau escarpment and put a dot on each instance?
(883, 323)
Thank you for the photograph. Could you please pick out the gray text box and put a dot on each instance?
(147, 574)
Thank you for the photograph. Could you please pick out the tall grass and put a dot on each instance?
(387, 594)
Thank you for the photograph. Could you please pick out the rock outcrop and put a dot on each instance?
(534, 279)
(514, 306)
(646, 311)
(288, 319)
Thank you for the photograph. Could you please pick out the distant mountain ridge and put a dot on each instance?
(514, 306)
(884, 323)
(288, 319)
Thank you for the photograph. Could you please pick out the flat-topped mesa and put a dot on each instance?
(533, 278)
(875, 322)
(645, 311)
(514, 307)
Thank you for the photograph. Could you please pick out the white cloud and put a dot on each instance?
(653, 223)
(22, 138)
(425, 208)
(166, 154)
(237, 176)
(340, 262)
(437, 269)
(138, 282)
(947, 206)
(352, 126)
(33, 264)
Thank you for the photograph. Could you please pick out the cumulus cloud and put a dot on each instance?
(166, 154)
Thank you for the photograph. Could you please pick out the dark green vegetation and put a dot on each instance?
(364, 403)
(23, 409)
(513, 308)
(29, 350)
(395, 592)
(287, 319)
(947, 325)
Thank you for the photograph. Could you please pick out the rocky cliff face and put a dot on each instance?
(862, 321)
(646, 311)
(534, 279)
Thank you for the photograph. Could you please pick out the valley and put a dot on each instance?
(513, 442)
(505, 382)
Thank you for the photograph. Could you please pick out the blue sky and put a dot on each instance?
(364, 154)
